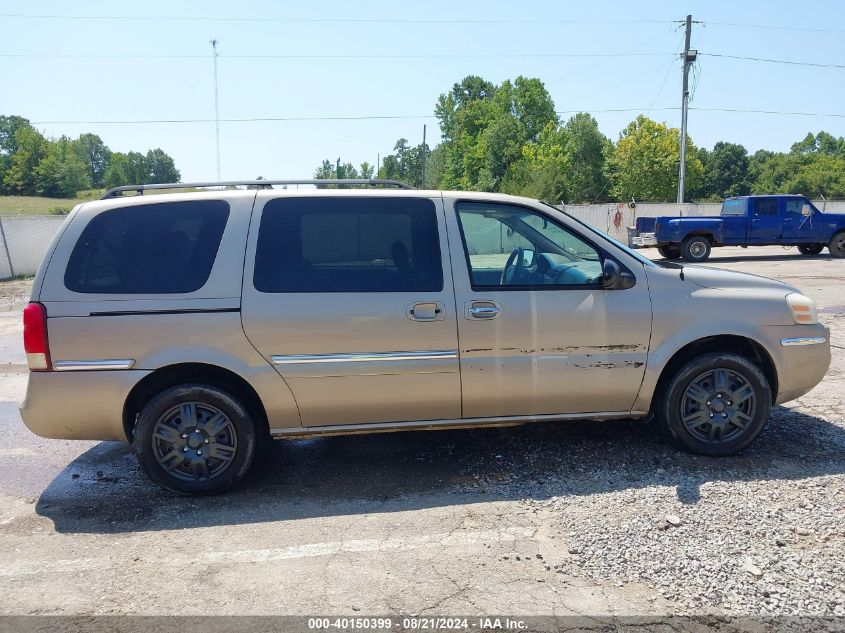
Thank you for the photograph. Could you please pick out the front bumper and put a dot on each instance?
(78, 405)
(801, 355)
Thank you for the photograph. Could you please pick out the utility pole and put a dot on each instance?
(337, 168)
(689, 56)
(216, 106)
(422, 184)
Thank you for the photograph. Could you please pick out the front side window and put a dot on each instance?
(348, 245)
(765, 206)
(794, 206)
(515, 247)
(162, 248)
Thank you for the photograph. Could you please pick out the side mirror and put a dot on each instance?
(806, 211)
(612, 277)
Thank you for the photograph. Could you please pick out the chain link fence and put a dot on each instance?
(23, 241)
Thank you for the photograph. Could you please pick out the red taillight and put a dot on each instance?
(35, 337)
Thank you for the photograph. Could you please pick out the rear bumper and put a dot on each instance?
(801, 354)
(644, 239)
(78, 405)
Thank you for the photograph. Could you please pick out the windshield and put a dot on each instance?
(630, 251)
(735, 206)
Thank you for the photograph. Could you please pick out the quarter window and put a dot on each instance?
(515, 247)
(348, 245)
(161, 248)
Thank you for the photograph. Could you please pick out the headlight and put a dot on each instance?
(803, 309)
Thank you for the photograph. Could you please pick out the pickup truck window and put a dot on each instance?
(765, 206)
(348, 245)
(735, 207)
(509, 246)
(794, 206)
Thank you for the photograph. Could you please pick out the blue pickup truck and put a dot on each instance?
(787, 220)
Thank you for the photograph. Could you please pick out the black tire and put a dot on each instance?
(714, 426)
(836, 246)
(810, 249)
(696, 249)
(170, 441)
(669, 252)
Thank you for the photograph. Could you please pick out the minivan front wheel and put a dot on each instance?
(195, 439)
(716, 404)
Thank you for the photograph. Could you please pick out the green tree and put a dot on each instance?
(484, 128)
(95, 155)
(117, 171)
(9, 126)
(726, 171)
(644, 165)
(820, 175)
(405, 164)
(588, 151)
(61, 173)
(159, 167)
(31, 148)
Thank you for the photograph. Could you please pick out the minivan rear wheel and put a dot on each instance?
(717, 404)
(195, 439)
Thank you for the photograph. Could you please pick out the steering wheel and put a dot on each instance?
(515, 262)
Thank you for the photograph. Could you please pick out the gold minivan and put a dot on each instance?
(197, 325)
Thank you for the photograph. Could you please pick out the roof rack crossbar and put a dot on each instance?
(115, 192)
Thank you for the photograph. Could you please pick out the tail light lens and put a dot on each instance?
(35, 337)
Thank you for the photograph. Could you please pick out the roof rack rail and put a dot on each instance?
(115, 192)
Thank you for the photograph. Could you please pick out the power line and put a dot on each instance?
(205, 18)
(321, 56)
(774, 61)
(419, 116)
(242, 120)
(773, 27)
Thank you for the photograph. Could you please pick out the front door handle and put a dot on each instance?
(483, 310)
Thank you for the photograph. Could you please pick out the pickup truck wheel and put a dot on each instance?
(716, 404)
(696, 249)
(836, 246)
(195, 439)
(810, 249)
(669, 252)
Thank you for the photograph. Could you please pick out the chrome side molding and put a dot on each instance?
(803, 340)
(307, 359)
(92, 365)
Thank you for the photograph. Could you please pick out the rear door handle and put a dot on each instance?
(426, 311)
(483, 310)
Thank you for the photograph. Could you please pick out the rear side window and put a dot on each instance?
(765, 206)
(348, 245)
(162, 248)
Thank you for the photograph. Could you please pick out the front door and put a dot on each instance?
(349, 298)
(797, 227)
(766, 217)
(538, 335)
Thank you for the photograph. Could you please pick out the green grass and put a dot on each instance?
(38, 205)
(32, 205)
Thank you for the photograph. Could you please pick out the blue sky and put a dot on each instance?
(645, 74)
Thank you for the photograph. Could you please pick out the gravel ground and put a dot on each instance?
(585, 518)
